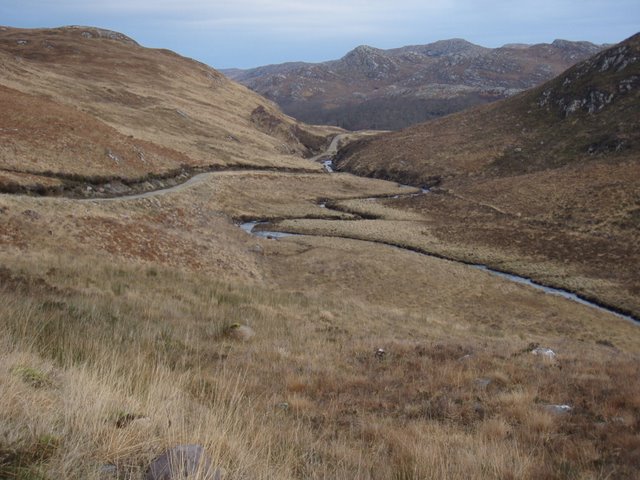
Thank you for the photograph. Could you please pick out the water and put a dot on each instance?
(553, 291)
(250, 226)
(328, 165)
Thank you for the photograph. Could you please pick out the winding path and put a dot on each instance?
(196, 179)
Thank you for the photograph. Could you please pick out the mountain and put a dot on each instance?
(84, 102)
(555, 171)
(391, 89)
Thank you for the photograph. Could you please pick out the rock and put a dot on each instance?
(479, 410)
(482, 382)
(256, 249)
(125, 419)
(31, 214)
(181, 462)
(108, 472)
(241, 332)
(558, 409)
(544, 352)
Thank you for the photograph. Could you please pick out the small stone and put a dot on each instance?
(283, 406)
(181, 462)
(482, 382)
(108, 472)
(241, 332)
(558, 409)
(31, 214)
(544, 352)
(256, 249)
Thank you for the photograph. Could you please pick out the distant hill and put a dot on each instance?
(392, 89)
(87, 102)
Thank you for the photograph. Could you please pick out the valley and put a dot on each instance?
(147, 313)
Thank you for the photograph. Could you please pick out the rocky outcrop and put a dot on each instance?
(578, 92)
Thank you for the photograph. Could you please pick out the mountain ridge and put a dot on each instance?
(389, 89)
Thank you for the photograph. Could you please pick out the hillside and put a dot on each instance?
(86, 102)
(555, 168)
(391, 89)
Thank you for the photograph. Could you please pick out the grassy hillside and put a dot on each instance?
(589, 113)
(88, 102)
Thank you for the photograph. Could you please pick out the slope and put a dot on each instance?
(119, 318)
(128, 110)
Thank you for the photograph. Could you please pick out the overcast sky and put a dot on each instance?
(246, 33)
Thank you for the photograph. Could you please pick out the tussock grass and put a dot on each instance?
(305, 398)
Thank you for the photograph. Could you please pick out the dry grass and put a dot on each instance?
(528, 186)
(116, 345)
(305, 398)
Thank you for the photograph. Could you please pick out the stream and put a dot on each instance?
(250, 228)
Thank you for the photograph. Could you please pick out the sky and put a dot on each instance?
(249, 33)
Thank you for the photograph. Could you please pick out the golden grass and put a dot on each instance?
(596, 262)
(527, 186)
(117, 335)
(305, 398)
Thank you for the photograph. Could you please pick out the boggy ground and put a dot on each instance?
(116, 344)
(577, 243)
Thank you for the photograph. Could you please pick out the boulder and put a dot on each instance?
(182, 462)
(243, 333)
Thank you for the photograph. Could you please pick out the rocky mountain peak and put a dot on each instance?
(394, 88)
(362, 54)
(370, 61)
(449, 47)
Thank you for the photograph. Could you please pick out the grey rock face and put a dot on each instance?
(181, 462)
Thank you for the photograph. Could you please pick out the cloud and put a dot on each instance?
(276, 15)
(228, 32)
